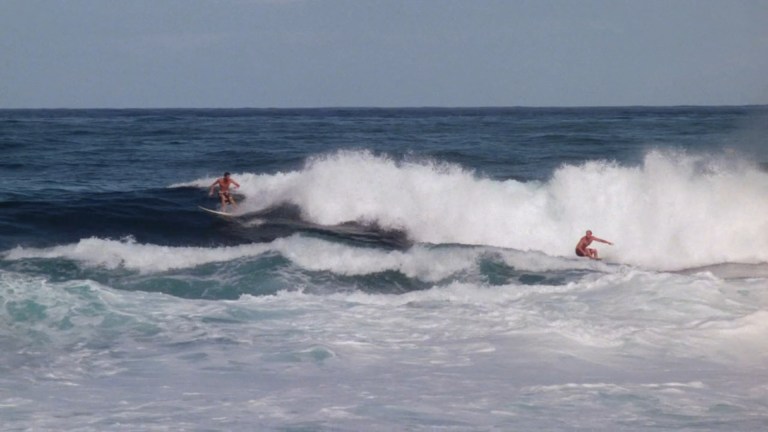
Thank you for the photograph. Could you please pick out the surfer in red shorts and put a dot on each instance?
(582, 248)
(224, 194)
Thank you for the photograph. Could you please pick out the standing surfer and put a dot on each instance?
(224, 194)
(583, 251)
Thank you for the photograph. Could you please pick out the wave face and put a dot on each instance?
(676, 210)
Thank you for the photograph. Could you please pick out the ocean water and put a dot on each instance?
(386, 270)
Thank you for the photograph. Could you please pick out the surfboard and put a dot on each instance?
(216, 212)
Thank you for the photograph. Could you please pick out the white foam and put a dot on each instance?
(311, 254)
(418, 262)
(674, 211)
(127, 253)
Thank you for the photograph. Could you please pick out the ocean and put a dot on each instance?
(386, 270)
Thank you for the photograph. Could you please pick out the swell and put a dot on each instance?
(298, 262)
(161, 216)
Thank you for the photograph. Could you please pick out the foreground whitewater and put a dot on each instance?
(601, 349)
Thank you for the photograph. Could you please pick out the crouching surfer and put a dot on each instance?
(225, 195)
(583, 249)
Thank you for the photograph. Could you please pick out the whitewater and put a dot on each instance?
(675, 211)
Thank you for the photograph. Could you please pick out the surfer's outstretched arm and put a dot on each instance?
(601, 240)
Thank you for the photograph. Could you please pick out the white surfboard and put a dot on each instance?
(216, 212)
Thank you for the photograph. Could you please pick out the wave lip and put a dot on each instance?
(675, 211)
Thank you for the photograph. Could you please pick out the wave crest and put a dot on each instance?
(674, 211)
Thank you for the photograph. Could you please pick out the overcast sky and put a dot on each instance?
(383, 53)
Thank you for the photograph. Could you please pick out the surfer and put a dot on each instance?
(224, 194)
(583, 251)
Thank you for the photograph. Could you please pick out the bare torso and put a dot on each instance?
(224, 184)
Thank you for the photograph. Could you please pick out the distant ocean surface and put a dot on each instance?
(386, 270)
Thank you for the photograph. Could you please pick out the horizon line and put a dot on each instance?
(365, 107)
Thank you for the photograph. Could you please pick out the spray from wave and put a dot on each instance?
(674, 211)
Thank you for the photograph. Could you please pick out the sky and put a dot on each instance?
(381, 53)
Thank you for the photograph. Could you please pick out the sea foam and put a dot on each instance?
(675, 210)
(424, 262)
